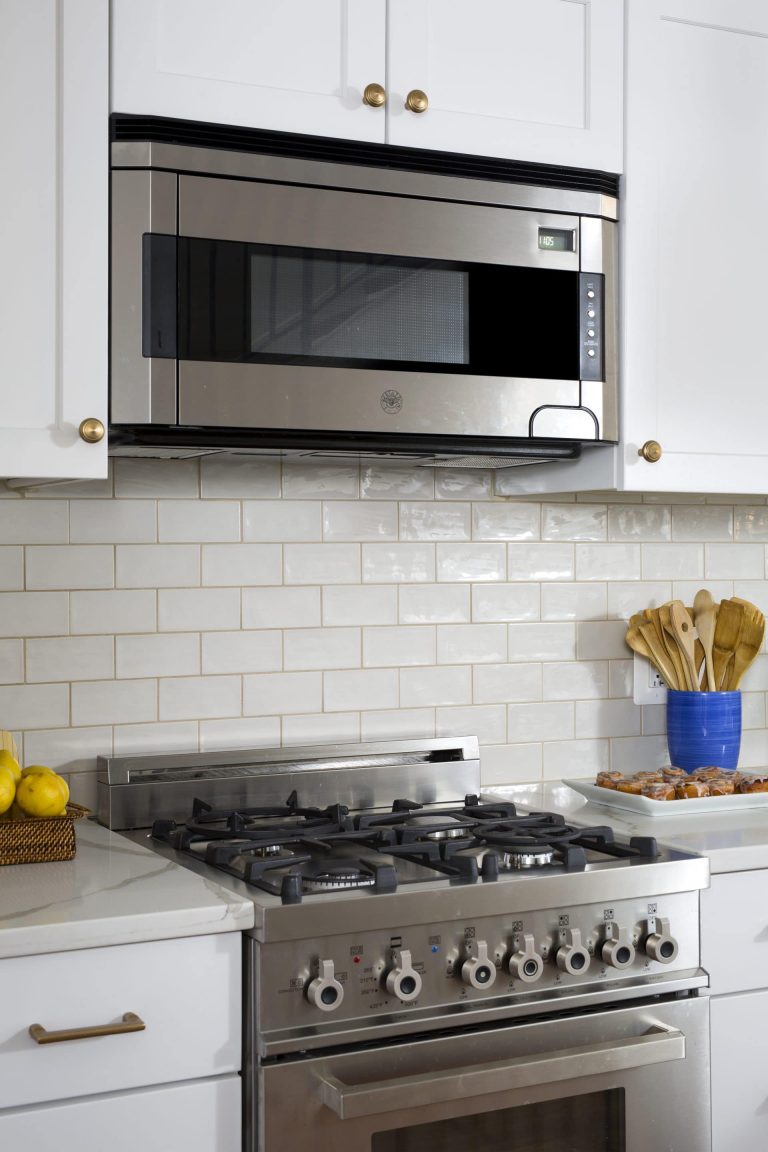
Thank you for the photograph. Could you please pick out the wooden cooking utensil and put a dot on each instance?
(750, 643)
(659, 655)
(682, 630)
(673, 649)
(730, 620)
(705, 619)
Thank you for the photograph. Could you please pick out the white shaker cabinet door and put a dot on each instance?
(536, 80)
(53, 236)
(739, 1059)
(297, 66)
(695, 246)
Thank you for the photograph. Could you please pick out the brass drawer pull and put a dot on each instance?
(130, 1023)
(417, 101)
(374, 95)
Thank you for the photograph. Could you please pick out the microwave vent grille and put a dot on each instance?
(486, 461)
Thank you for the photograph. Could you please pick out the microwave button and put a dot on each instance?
(591, 333)
(590, 352)
(590, 294)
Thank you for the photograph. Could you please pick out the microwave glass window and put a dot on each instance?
(259, 303)
(592, 1123)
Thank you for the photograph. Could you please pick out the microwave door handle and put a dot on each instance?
(658, 1045)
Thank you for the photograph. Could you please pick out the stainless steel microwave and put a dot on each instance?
(272, 303)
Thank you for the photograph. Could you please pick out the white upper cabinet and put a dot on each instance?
(297, 66)
(695, 246)
(53, 236)
(536, 80)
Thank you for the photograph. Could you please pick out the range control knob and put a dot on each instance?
(659, 944)
(572, 956)
(479, 971)
(618, 949)
(403, 980)
(325, 992)
(526, 964)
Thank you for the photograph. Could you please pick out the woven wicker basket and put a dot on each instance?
(34, 841)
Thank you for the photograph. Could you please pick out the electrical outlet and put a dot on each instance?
(649, 684)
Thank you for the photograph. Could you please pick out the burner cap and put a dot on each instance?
(337, 878)
(526, 859)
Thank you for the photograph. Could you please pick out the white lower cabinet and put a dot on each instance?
(180, 1070)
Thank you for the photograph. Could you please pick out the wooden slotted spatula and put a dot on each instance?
(682, 630)
(673, 649)
(705, 619)
(750, 643)
(659, 655)
(730, 620)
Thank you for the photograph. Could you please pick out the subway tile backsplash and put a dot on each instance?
(219, 603)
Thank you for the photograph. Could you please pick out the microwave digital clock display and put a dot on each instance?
(557, 239)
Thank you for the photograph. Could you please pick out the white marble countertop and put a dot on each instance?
(733, 841)
(113, 892)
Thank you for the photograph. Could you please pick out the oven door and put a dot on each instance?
(623, 1080)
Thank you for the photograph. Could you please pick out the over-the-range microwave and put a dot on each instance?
(288, 295)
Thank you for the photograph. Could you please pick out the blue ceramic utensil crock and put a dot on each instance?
(703, 729)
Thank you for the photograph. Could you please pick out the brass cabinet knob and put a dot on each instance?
(91, 430)
(374, 95)
(650, 451)
(417, 101)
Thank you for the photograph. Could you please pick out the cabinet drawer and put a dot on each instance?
(202, 1116)
(734, 931)
(739, 1034)
(187, 992)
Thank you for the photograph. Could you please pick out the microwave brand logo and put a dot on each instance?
(391, 401)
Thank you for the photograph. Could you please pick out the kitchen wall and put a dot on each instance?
(226, 603)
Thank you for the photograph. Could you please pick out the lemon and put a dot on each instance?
(8, 761)
(32, 769)
(42, 794)
(7, 789)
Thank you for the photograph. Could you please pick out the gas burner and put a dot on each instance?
(435, 828)
(333, 879)
(525, 859)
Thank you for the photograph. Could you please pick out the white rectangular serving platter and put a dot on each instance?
(609, 798)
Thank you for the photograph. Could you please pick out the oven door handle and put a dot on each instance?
(656, 1046)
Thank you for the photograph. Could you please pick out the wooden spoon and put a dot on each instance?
(750, 643)
(669, 644)
(682, 630)
(659, 655)
(705, 619)
(730, 620)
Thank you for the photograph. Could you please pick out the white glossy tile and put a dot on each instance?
(542, 642)
(281, 607)
(198, 609)
(35, 705)
(754, 749)
(282, 520)
(540, 722)
(607, 561)
(734, 561)
(240, 732)
(506, 521)
(639, 522)
(113, 522)
(607, 718)
(750, 523)
(577, 522)
(626, 598)
(471, 643)
(70, 489)
(541, 561)
(435, 521)
(361, 604)
(383, 482)
(325, 728)
(398, 724)
(434, 604)
(672, 561)
(199, 697)
(573, 601)
(242, 565)
(756, 591)
(11, 569)
(320, 481)
(753, 709)
(38, 522)
(272, 694)
(634, 753)
(488, 723)
(653, 721)
(503, 683)
(243, 478)
(240, 652)
(463, 484)
(474, 562)
(159, 654)
(321, 563)
(621, 677)
(113, 702)
(66, 658)
(601, 640)
(505, 602)
(148, 739)
(358, 520)
(575, 758)
(70, 566)
(12, 662)
(580, 680)
(158, 565)
(307, 648)
(756, 676)
(395, 647)
(35, 614)
(170, 479)
(422, 687)
(686, 590)
(366, 689)
(197, 521)
(69, 750)
(697, 522)
(398, 563)
(510, 764)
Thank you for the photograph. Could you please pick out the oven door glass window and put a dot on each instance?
(260, 303)
(591, 1123)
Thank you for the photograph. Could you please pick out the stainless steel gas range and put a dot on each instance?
(430, 970)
